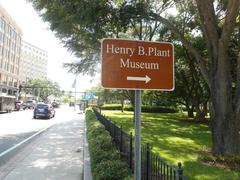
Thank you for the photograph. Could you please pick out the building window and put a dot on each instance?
(2, 24)
(6, 55)
(17, 61)
(10, 83)
(6, 66)
(8, 43)
(4, 79)
(13, 47)
(12, 69)
(12, 58)
(14, 35)
(8, 30)
(1, 37)
(18, 50)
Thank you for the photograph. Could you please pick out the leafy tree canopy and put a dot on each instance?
(80, 25)
(43, 88)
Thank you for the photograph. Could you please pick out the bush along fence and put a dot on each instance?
(102, 152)
(152, 166)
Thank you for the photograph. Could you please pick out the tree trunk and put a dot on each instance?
(200, 112)
(205, 107)
(122, 105)
(190, 111)
(224, 122)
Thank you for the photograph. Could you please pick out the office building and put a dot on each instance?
(34, 63)
(10, 54)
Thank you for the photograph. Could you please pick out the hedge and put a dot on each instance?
(154, 109)
(105, 158)
(147, 109)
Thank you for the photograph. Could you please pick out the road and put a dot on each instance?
(19, 126)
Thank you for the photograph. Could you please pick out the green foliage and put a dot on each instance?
(80, 25)
(150, 109)
(176, 140)
(43, 88)
(107, 95)
(154, 109)
(105, 158)
(112, 107)
(66, 99)
(110, 169)
(159, 109)
(158, 98)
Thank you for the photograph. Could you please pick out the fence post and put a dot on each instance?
(121, 139)
(112, 129)
(180, 171)
(131, 150)
(148, 163)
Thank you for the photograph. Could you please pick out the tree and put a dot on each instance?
(218, 22)
(191, 90)
(110, 96)
(82, 24)
(43, 88)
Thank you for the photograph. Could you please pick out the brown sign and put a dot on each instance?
(128, 64)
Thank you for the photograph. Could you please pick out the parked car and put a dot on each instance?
(43, 110)
(18, 105)
(55, 104)
(29, 104)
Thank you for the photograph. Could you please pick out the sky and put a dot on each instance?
(37, 33)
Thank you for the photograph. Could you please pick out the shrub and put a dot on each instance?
(110, 169)
(112, 107)
(147, 109)
(105, 158)
(154, 109)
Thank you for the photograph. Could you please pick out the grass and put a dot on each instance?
(176, 141)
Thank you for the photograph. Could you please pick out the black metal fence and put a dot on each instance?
(152, 166)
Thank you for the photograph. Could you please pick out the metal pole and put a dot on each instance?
(75, 98)
(137, 136)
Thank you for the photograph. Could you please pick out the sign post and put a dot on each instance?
(138, 65)
(137, 136)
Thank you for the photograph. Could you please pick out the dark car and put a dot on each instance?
(29, 104)
(43, 110)
(55, 104)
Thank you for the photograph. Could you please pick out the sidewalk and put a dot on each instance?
(58, 154)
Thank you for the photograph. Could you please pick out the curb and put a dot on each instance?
(87, 174)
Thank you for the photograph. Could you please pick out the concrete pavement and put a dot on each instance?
(59, 153)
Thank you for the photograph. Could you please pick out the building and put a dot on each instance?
(10, 54)
(34, 63)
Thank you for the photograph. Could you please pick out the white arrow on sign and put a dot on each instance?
(132, 78)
